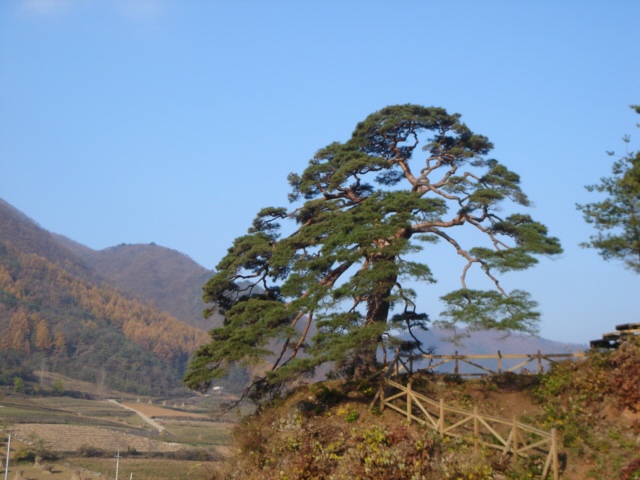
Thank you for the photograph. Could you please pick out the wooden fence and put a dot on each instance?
(507, 436)
(406, 362)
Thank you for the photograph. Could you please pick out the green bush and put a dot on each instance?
(326, 396)
(58, 387)
(18, 385)
(24, 455)
(29, 454)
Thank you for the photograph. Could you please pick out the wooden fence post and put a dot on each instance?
(455, 372)
(476, 429)
(539, 362)
(409, 402)
(554, 453)
(512, 442)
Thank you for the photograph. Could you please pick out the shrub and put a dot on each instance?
(325, 395)
(29, 454)
(18, 385)
(24, 455)
(58, 387)
(89, 451)
(625, 375)
(198, 454)
(632, 471)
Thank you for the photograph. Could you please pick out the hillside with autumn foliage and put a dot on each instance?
(58, 313)
(150, 272)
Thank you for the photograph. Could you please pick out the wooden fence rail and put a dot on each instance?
(507, 436)
(406, 362)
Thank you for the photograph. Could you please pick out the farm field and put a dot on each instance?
(73, 438)
(146, 469)
(60, 471)
(87, 434)
(163, 412)
(66, 410)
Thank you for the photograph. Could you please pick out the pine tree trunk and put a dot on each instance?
(378, 307)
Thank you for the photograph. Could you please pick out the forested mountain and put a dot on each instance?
(58, 312)
(19, 230)
(169, 279)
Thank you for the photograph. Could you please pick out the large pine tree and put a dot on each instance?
(334, 286)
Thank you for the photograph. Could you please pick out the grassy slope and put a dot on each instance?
(327, 431)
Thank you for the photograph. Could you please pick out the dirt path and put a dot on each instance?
(147, 419)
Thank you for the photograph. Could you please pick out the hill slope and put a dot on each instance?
(326, 430)
(58, 312)
(167, 278)
(25, 234)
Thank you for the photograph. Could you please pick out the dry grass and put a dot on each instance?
(59, 472)
(144, 469)
(70, 438)
(77, 406)
(200, 433)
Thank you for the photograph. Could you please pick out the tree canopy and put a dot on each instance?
(329, 281)
(617, 217)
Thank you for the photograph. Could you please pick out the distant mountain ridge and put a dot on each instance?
(169, 279)
(492, 341)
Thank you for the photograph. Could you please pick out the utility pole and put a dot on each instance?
(6, 467)
(117, 463)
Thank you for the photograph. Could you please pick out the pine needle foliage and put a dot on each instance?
(617, 217)
(332, 288)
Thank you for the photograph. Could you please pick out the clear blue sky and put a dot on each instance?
(174, 122)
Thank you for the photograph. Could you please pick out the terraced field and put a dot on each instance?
(72, 427)
(65, 410)
(73, 438)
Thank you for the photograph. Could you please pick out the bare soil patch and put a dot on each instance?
(155, 411)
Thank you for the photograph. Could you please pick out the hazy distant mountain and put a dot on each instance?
(58, 312)
(168, 278)
(489, 342)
